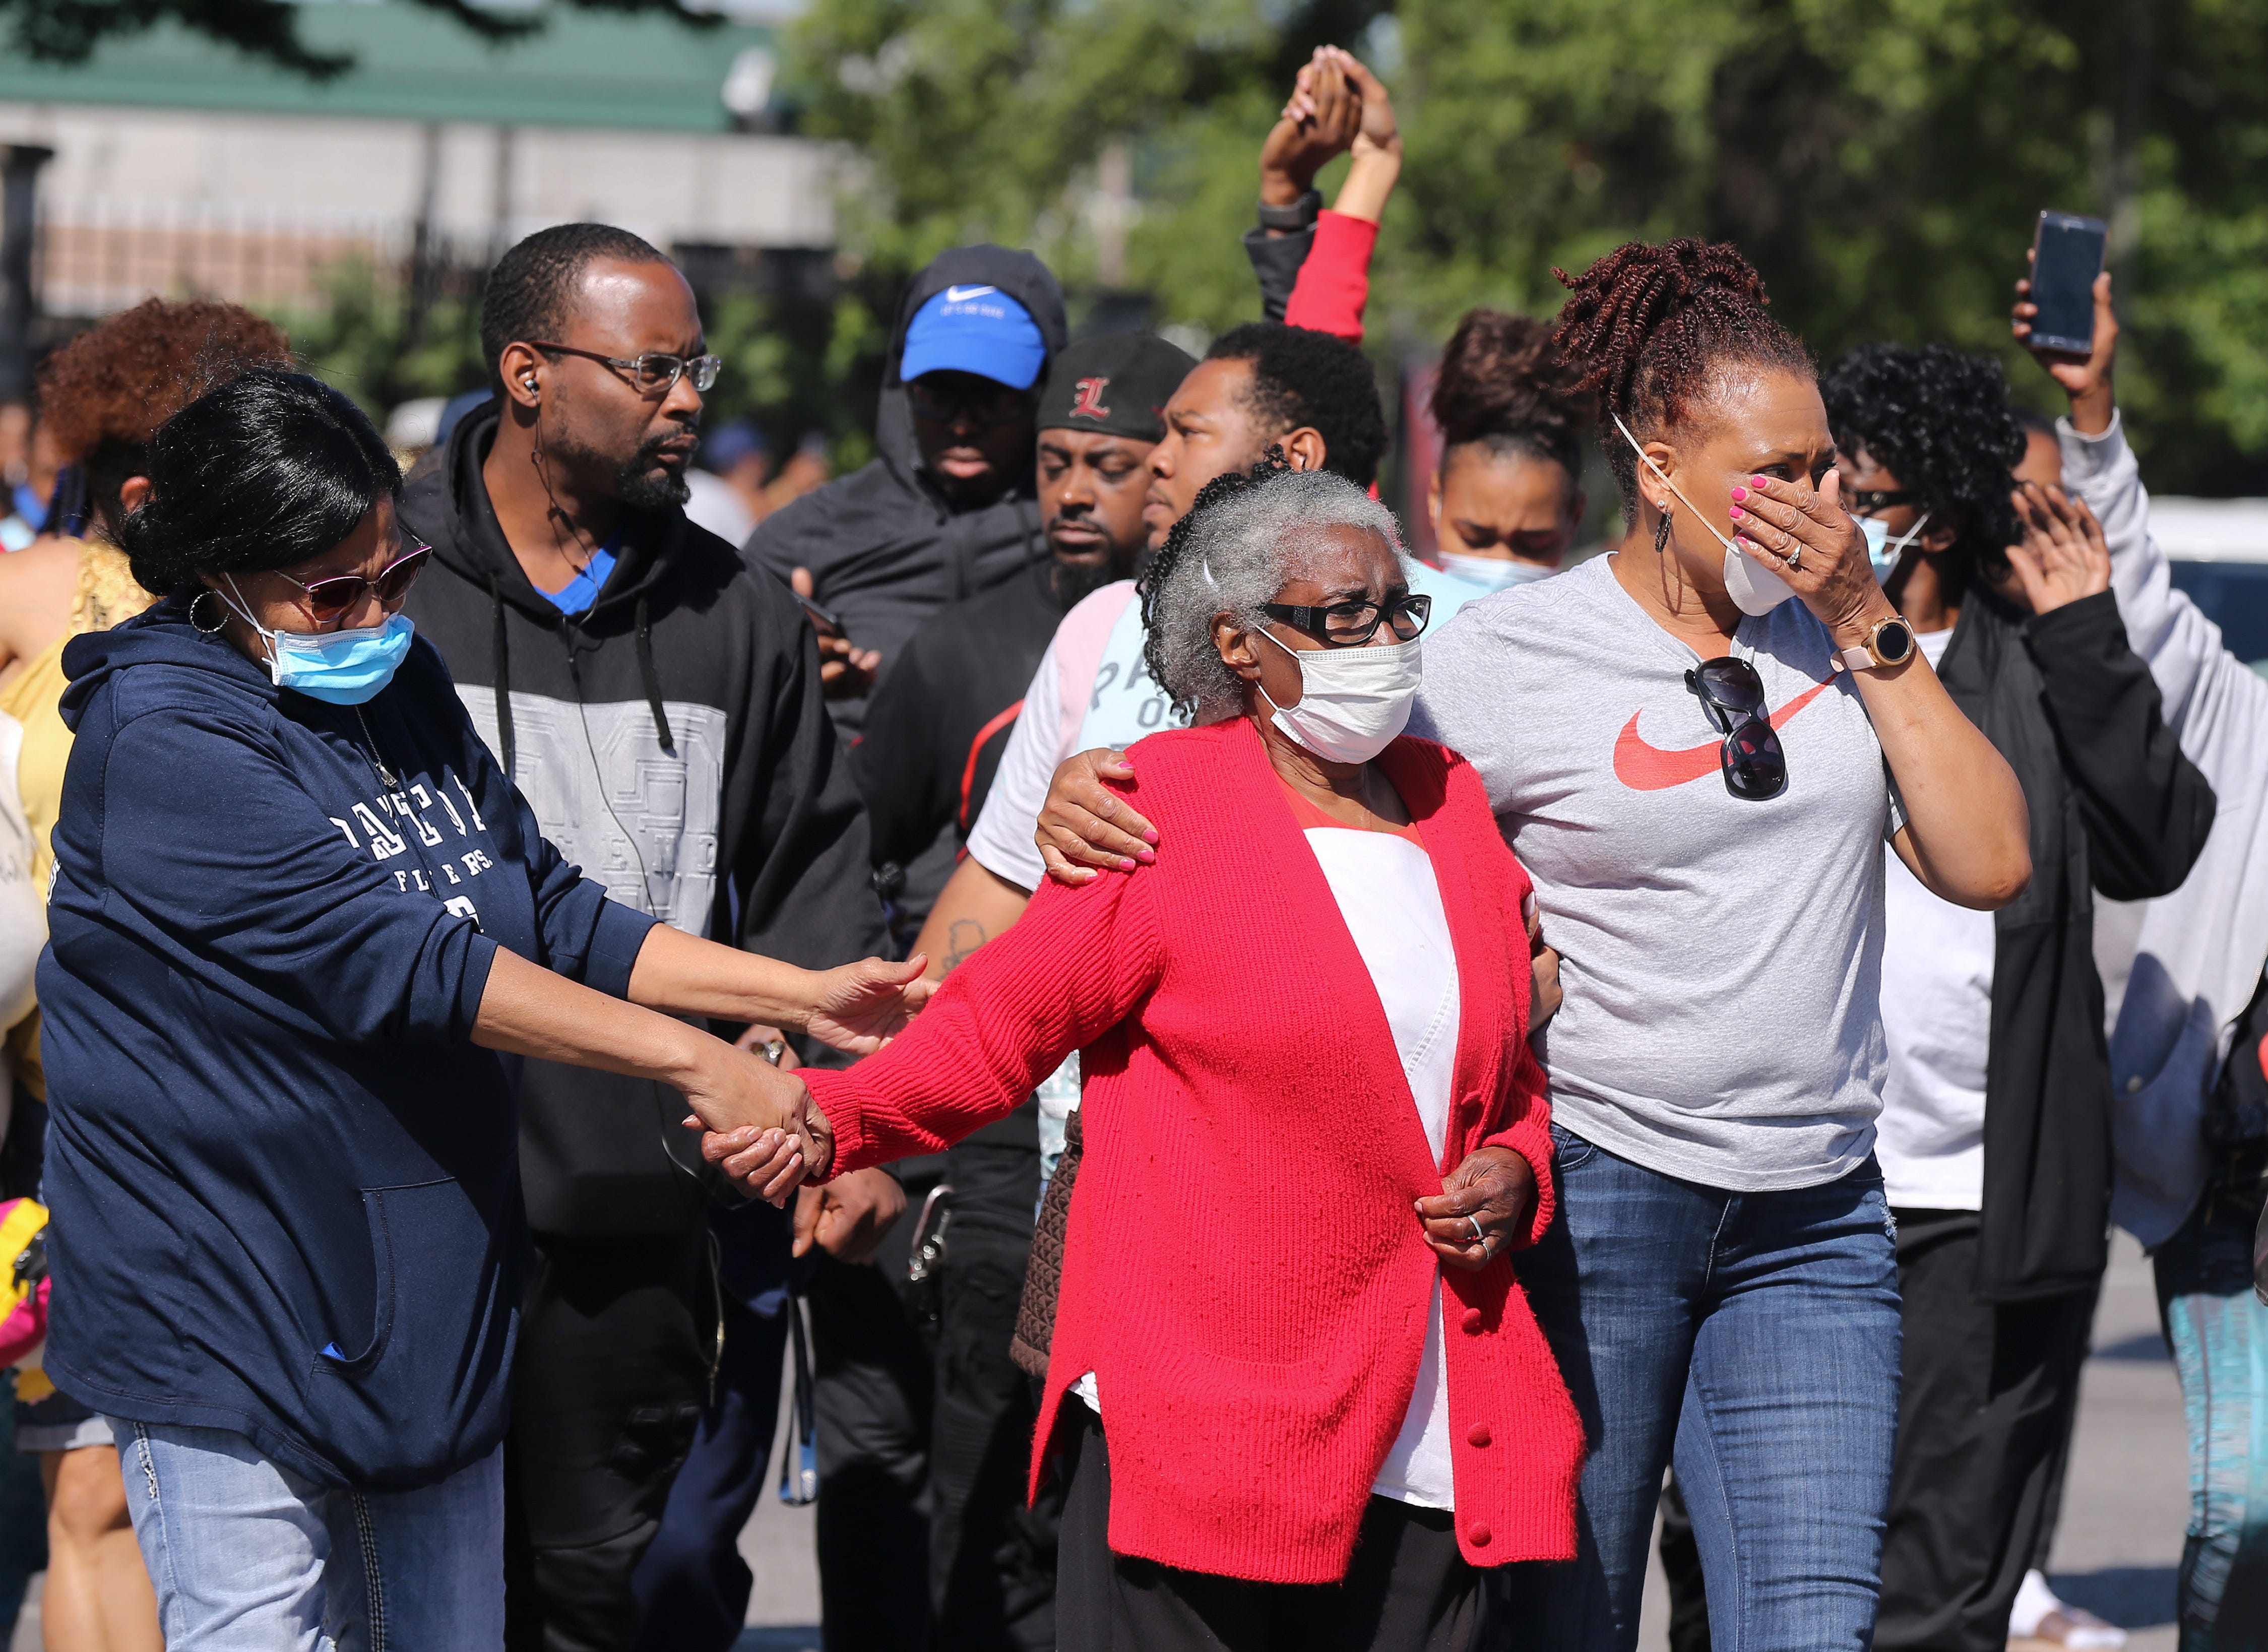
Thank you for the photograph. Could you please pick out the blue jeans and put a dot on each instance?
(2220, 1336)
(1756, 1337)
(245, 1553)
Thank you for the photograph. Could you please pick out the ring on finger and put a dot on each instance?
(1480, 1235)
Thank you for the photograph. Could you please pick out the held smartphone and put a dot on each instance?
(2067, 256)
(821, 618)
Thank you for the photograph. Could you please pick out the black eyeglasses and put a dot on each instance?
(992, 409)
(1351, 624)
(653, 373)
(1867, 501)
(331, 600)
(1733, 694)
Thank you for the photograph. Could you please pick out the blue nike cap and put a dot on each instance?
(977, 329)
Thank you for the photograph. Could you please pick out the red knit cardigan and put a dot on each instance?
(1243, 1269)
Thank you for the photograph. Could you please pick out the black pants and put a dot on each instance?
(1407, 1589)
(992, 1559)
(615, 1344)
(1984, 1412)
(871, 1393)
(693, 1585)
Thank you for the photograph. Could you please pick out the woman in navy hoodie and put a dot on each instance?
(302, 925)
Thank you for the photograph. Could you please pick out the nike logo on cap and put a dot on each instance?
(961, 295)
(1645, 768)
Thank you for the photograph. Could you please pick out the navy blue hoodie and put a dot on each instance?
(286, 1200)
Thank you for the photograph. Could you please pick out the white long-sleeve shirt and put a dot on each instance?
(2178, 971)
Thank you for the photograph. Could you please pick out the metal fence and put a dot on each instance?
(96, 256)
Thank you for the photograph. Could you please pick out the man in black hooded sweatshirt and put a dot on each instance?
(947, 509)
(659, 704)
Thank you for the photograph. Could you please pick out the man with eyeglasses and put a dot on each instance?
(659, 704)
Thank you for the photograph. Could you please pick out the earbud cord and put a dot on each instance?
(559, 511)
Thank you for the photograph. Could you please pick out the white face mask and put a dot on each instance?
(1881, 550)
(1755, 588)
(1495, 573)
(1353, 702)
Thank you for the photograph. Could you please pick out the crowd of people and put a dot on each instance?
(1234, 1086)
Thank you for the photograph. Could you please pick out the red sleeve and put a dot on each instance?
(1527, 1130)
(1072, 968)
(1334, 284)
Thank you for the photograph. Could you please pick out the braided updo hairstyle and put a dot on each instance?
(1650, 329)
(1503, 387)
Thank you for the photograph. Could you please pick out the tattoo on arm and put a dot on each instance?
(962, 937)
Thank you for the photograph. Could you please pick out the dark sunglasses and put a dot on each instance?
(330, 601)
(1351, 624)
(1733, 694)
(1867, 501)
(991, 409)
(655, 372)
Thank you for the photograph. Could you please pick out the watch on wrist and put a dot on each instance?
(1888, 643)
(1301, 215)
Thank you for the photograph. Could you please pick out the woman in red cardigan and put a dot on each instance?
(1255, 1397)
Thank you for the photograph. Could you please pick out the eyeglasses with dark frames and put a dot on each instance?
(653, 373)
(1867, 501)
(1753, 763)
(1351, 624)
(330, 601)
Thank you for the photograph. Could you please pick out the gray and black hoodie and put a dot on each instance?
(672, 741)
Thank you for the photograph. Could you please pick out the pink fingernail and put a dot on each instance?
(1151, 835)
(1740, 493)
(1738, 512)
(1125, 864)
(1756, 481)
(1147, 856)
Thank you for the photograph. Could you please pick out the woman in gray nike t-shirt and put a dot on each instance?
(1698, 745)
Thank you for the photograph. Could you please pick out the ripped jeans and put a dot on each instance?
(2220, 1336)
(244, 1553)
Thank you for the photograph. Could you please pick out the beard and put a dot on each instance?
(647, 484)
(1074, 582)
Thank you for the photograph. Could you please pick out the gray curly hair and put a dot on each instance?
(1242, 539)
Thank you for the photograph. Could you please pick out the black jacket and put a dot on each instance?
(2114, 808)
(884, 548)
(672, 741)
(938, 726)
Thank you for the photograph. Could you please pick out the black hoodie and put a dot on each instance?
(885, 550)
(670, 739)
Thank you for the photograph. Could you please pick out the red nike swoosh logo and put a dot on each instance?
(1645, 768)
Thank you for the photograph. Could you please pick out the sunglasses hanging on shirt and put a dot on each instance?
(1733, 694)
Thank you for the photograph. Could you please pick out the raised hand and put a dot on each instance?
(1483, 1207)
(2063, 554)
(1322, 120)
(860, 1007)
(1084, 827)
(2085, 378)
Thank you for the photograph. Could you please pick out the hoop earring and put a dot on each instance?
(1661, 534)
(197, 602)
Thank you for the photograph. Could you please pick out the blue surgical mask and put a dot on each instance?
(340, 668)
(1495, 573)
(1881, 550)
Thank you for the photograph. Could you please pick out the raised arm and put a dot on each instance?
(1334, 285)
(2146, 809)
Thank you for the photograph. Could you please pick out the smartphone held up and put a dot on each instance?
(2067, 257)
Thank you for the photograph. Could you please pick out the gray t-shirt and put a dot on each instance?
(1722, 958)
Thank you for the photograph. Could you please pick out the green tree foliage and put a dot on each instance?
(1881, 163)
(67, 31)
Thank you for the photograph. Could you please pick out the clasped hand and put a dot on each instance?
(1484, 1208)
